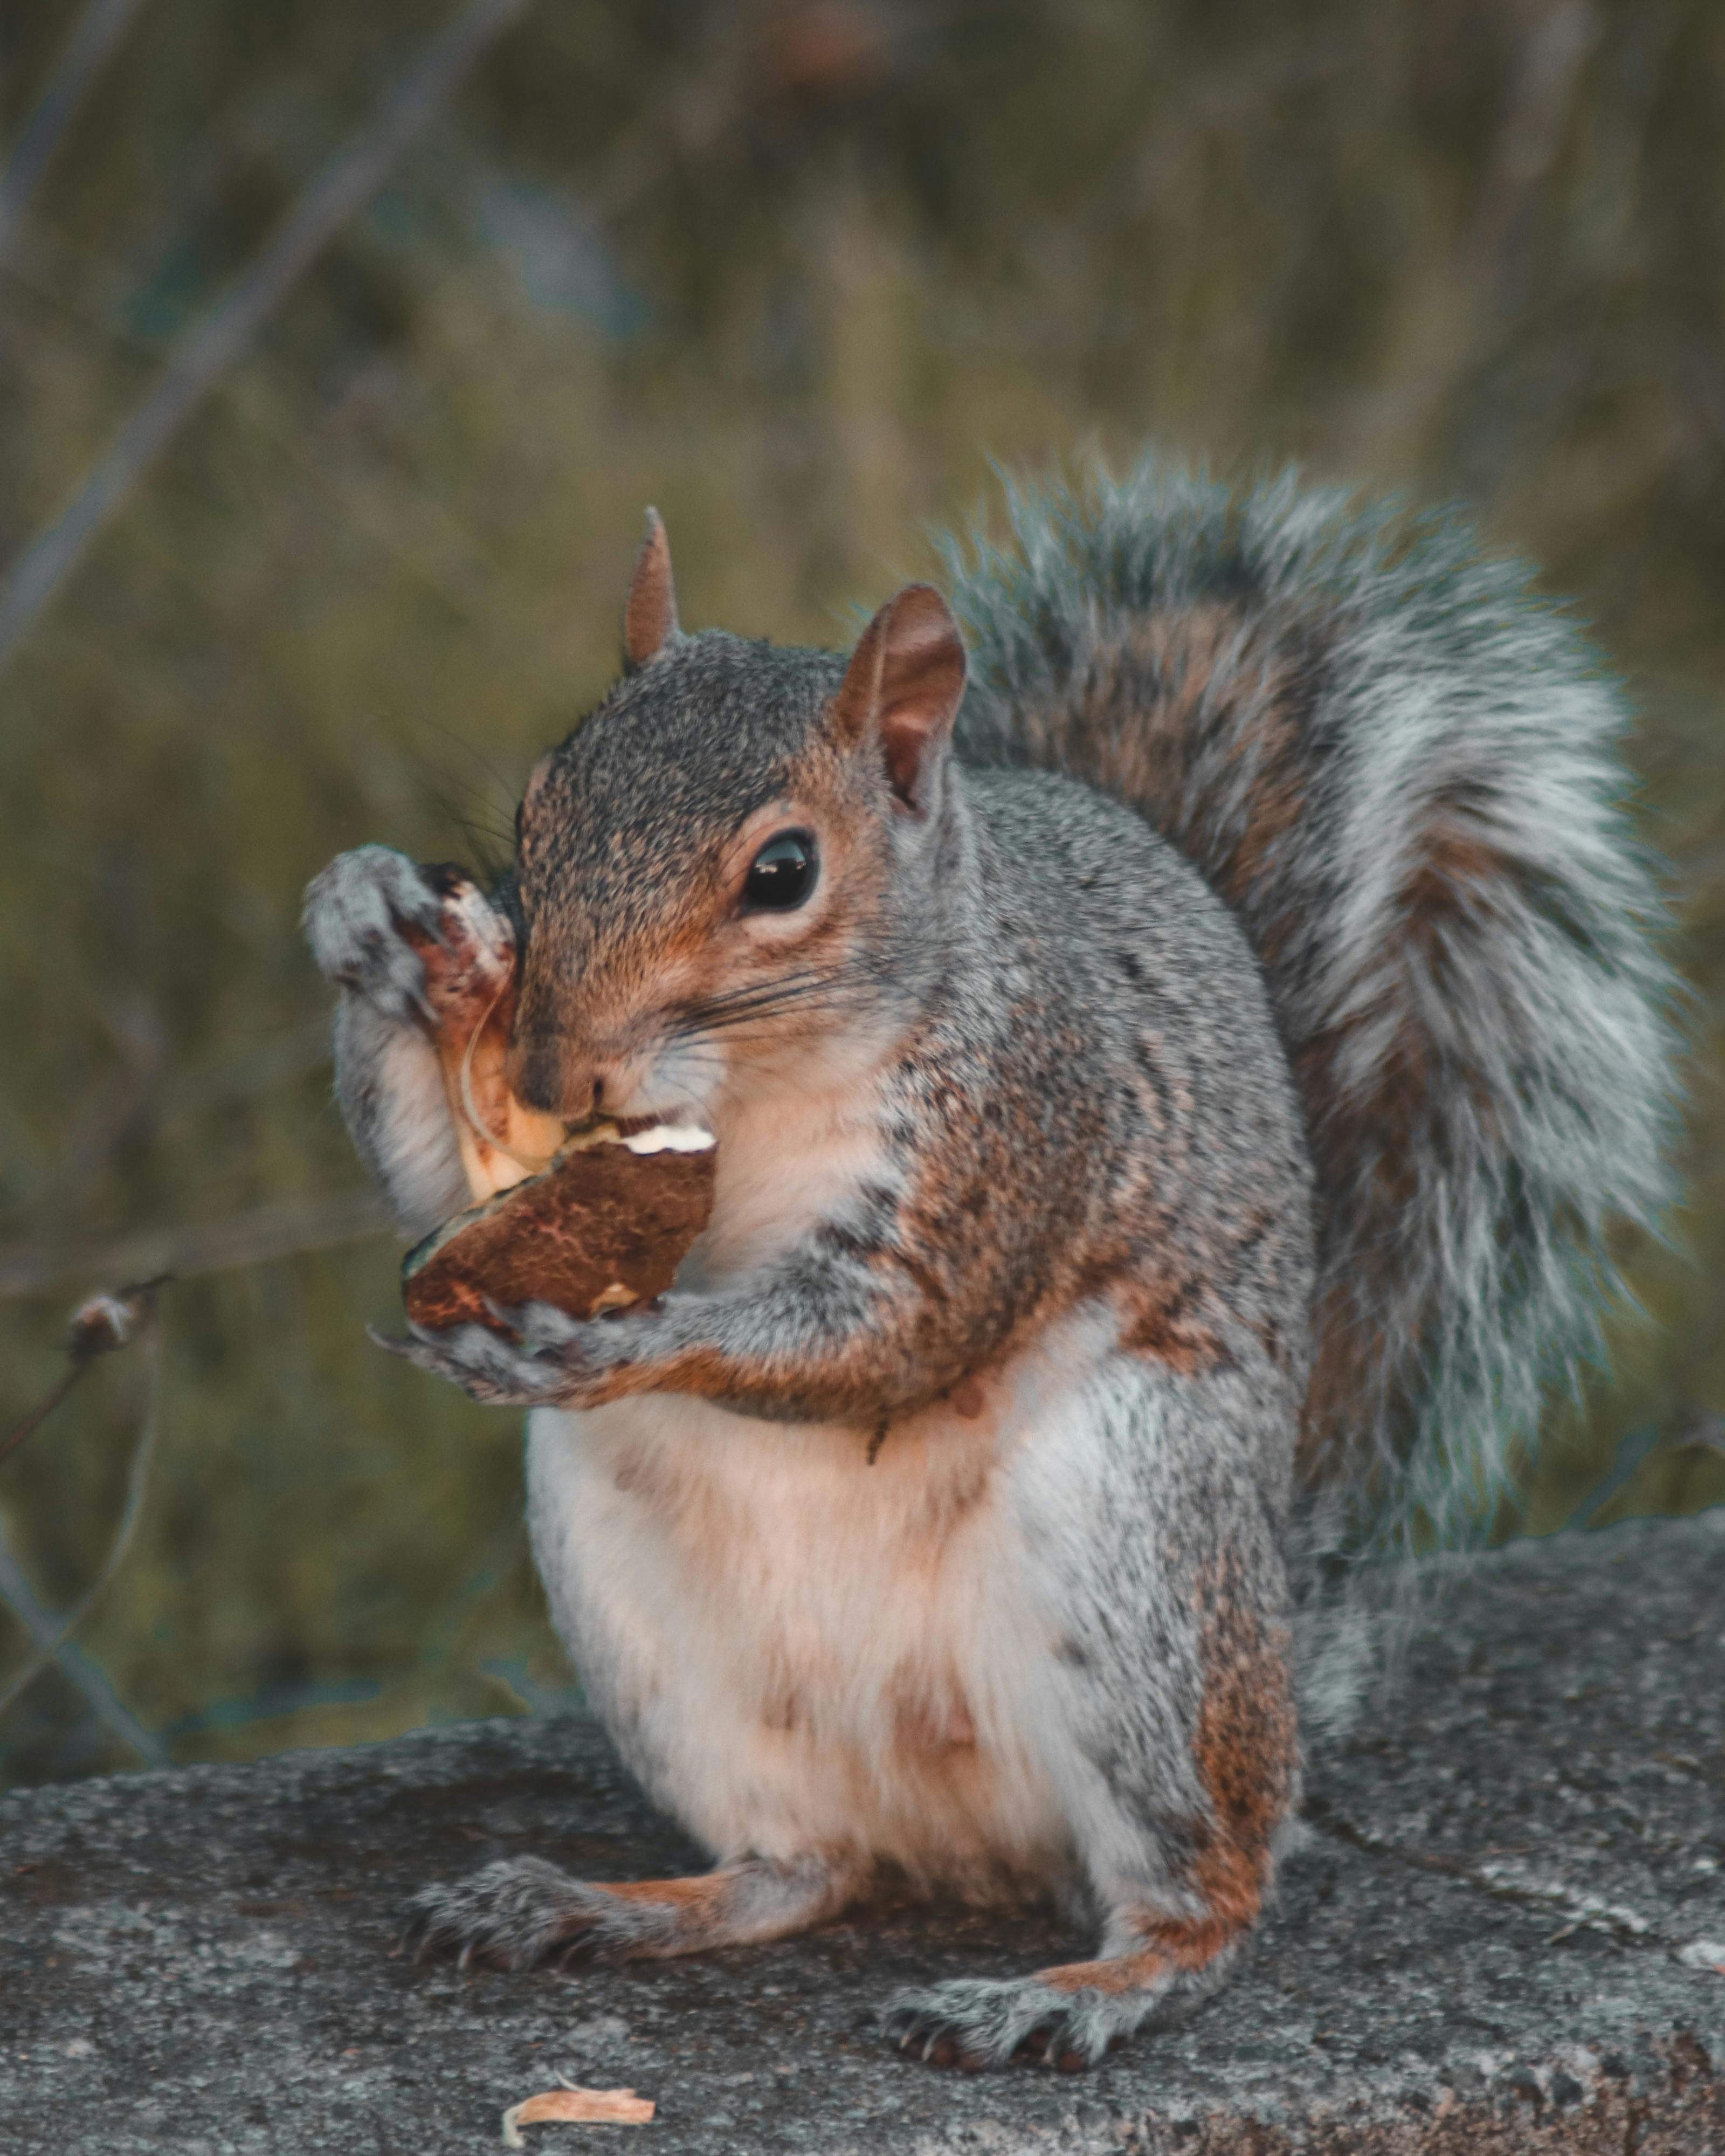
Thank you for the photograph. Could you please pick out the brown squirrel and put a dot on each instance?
(1173, 1069)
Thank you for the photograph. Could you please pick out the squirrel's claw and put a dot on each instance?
(489, 1370)
(545, 1364)
(977, 2024)
(354, 914)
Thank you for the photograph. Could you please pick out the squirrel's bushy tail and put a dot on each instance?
(1399, 767)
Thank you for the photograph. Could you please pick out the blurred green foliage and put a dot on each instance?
(796, 271)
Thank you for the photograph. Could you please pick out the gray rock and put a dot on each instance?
(1500, 1935)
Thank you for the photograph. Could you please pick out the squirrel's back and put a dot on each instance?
(1399, 768)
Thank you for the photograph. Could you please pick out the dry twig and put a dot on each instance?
(103, 1324)
(206, 352)
(98, 1327)
(95, 37)
(248, 1239)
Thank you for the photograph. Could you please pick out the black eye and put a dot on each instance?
(782, 875)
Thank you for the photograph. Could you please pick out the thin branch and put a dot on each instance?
(137, 1482)
(248, 1239)
(98, 1327)
(103, 1323)
(1541, 101)
(80, 1671)
(207, 351)
(1697, 1431)
(95, 36)
(39, 1414)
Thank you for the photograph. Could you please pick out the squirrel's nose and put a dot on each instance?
(546, 1076)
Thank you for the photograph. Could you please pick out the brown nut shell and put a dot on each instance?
(601, 1228)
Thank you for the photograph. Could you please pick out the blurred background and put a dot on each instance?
(370, 339)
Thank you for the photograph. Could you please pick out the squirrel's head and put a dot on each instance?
(742, 851)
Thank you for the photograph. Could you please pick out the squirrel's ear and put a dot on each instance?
(649, 616)
(902, 687)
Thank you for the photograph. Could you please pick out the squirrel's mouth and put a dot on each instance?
(551, 1139)
(641, 1134)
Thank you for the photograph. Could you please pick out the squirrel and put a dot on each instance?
(1180, 1015)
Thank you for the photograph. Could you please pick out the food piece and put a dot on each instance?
(588, 1222)
(578, 2106)
(470, 987)
(605, 1226)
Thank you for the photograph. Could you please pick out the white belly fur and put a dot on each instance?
(798, 1651)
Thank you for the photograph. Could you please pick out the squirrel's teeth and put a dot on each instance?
(671, 1138)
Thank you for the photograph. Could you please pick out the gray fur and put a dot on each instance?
(387, 1077)
(353, 915)
(519, 1911)
(981, 2023)
(1063, 979)
(1067, 986)
(1098, 1128)
(1430, 684)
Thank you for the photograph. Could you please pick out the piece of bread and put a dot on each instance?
(606, 1225)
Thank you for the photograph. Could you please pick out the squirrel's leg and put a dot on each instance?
(369, 917)
(521, 1911)
(1164, 1715)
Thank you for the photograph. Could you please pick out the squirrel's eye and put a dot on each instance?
(782, 875)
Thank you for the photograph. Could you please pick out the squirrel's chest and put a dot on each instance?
(788, 1641)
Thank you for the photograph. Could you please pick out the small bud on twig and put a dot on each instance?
(99, 1325)
(106, 1322)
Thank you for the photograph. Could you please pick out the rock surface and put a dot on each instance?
(1506, 1931)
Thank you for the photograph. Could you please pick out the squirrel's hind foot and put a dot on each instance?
(979, 2024)
(513, 1915)
(521, 1911)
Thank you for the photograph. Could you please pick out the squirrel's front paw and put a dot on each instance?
(362, 915)
(546, 1359)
